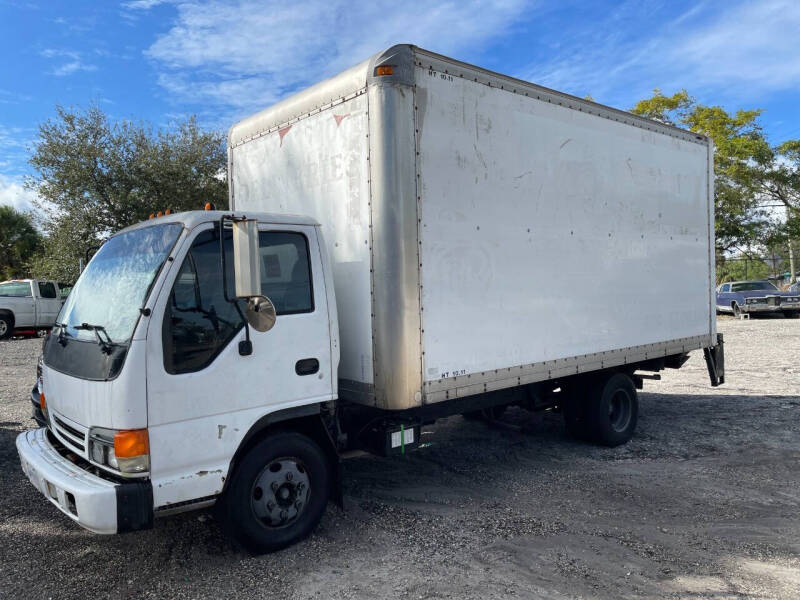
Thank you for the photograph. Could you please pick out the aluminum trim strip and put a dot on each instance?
(476, 383)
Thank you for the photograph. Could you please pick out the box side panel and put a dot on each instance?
(396, 333)
(319, 167)
(548, 233)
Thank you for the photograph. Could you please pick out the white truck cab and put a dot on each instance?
(29, 304)
(121, 447)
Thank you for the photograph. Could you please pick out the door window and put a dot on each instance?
(286, 271)
(63, 289)
(47, 289)
(198, 321)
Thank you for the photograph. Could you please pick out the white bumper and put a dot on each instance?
(88, 500)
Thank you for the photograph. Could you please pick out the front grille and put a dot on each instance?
(69, 434)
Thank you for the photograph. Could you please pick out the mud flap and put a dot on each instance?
(715, 361)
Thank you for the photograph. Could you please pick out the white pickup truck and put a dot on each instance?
(30, 304)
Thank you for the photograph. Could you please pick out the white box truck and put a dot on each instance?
(465, 241)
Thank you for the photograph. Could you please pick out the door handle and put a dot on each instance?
(306, 366)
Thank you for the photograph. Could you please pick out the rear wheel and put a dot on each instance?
(278, 493)
(6, 327)
(602, 409)
(613, 410)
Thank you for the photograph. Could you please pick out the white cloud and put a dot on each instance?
(142, 4)
(742, 51)
(14, 193)
(74, 63)
(249, 53)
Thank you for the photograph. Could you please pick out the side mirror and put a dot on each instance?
(260, 312)
(246, 259)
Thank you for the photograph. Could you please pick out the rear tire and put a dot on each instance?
(573, 409)
(6, 327)
(612, 410)
(278, 493)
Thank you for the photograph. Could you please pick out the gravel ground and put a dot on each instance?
(702, 503)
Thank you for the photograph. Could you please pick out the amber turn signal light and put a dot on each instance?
(42, 402)
(384, 70)
(133, 442)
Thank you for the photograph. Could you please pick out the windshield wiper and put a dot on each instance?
(106, 343)
(62, 333)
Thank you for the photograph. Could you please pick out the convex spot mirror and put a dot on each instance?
(260, 313)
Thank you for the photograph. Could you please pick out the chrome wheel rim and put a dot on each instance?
(3, 328)
(281, 492)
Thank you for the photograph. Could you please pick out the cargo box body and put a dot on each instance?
(485, 232)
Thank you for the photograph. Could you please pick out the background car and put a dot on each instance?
(30, 304)
(757, 297)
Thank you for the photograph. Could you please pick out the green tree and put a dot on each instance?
(741, 152)
(19, 240)
(94, 177)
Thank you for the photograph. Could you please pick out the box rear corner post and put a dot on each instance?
(715, 361)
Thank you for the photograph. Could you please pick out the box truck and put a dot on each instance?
(411, 239)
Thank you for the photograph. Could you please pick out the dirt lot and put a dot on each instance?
(703, 503)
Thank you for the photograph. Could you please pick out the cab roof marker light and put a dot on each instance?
(384, 70)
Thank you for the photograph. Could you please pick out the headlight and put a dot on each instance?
(793, 299)
(125, 451)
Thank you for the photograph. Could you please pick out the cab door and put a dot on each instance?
(48, 304)
(203, 394)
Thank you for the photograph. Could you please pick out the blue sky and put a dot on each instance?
(159, 60)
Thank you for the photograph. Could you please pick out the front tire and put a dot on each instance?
(6, 327)
(278, 493)
(737, 312)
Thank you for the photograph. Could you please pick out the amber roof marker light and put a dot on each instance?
(384, 70)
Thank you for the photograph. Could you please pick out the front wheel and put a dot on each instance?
(278, 493)
(6, 327)
(737, 312)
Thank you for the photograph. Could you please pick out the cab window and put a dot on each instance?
(47, 289)
(286, 271)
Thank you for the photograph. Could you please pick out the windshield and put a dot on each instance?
(115, 284)
(751, 286)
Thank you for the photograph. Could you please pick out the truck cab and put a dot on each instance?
(29, 304)
(155, 387)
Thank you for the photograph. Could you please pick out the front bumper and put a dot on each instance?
(765, 308)
(98, 504)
